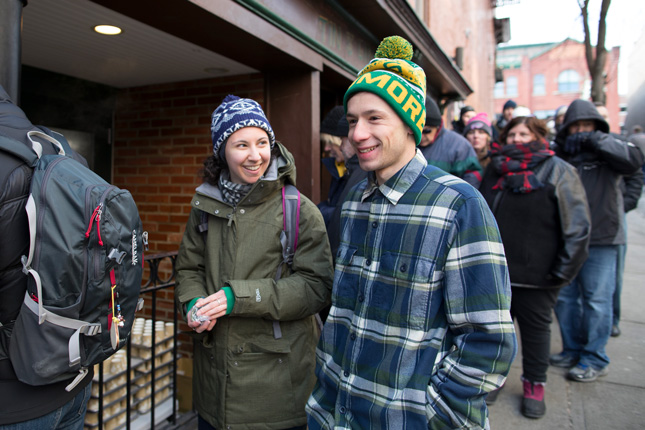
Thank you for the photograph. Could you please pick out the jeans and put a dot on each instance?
(532, 309)
(584, 308)
(70, 416)
(620, 269)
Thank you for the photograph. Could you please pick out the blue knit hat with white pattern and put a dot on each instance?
(233, 114)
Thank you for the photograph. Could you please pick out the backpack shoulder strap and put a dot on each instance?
(202, 227)
(18, 149)
(289, 236)
(291, 221)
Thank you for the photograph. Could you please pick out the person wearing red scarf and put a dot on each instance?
(543, 216)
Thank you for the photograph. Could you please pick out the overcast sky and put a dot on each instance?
(542, 21)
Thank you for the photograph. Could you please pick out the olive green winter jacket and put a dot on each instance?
(245, 378)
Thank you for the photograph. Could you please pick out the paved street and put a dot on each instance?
(616, 401)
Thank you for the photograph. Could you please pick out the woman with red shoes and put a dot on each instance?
(540, 206)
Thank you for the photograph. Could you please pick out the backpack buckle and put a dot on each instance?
(116, 255)
(91, 329)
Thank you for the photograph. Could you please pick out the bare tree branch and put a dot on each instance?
(596, 65)
(601, 52)
(584, 9)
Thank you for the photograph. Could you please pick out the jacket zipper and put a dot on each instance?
(96, 215)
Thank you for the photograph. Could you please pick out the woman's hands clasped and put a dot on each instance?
(213, 307)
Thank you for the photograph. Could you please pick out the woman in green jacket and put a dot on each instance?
(248, 373)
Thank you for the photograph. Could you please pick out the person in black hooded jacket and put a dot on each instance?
(22, 405)
(584, 307)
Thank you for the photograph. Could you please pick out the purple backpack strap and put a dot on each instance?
(289, 235)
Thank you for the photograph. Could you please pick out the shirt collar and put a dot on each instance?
(395, 187)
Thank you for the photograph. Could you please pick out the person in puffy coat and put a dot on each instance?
(254, 355)
(543, 216)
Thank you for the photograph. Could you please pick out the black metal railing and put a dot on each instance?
(161, 276)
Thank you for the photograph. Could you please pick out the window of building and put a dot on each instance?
(498, 92)
(539, 85)
(511, 86)
(568, 81)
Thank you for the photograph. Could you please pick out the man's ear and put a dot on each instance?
(410, 135)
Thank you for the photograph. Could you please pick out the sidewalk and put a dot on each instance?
(616, 401)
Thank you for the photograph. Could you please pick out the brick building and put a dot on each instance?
(545, 76)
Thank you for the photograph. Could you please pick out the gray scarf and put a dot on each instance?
(231, 191)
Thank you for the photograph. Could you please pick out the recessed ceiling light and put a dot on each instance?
(109, 30)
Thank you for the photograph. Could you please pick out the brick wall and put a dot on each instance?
(162, 136)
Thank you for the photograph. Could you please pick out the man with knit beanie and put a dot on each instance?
(446, 149)
(465, 113)
(419, 330)
(508, 113)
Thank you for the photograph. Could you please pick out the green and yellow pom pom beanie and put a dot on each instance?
(392, 76)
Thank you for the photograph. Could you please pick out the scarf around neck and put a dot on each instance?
(231, 191)
(515, 164)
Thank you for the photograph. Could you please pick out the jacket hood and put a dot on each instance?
(13, 121)
(580, 110)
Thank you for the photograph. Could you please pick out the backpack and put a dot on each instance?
(85, 266)
(288, 237)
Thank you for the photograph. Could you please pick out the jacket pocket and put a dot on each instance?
(259, 387)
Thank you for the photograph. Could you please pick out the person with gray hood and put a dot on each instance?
(584, 307)
(255, 330)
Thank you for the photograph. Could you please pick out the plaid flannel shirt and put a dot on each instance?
(419, 328)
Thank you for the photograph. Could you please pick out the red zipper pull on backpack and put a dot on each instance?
(89, 227)
(98, 223)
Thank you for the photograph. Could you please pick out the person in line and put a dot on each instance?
(353, 176)
(479, 133)
(508, 113)
(560, 112)
(465, 113)
(631, 186)
(419, 329)
(543, 216)
(254, 355)
(331, 136)
(446, 149)
(584, 307)
(24, 406)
